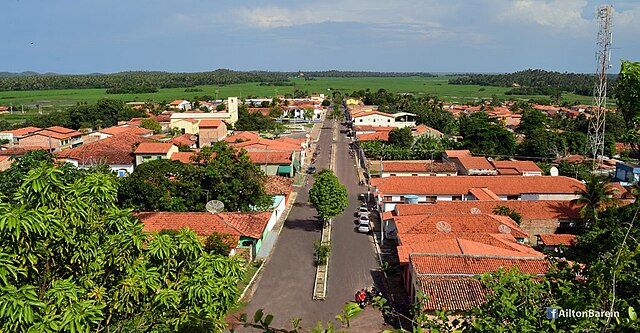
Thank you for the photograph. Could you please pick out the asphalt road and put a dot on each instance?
(285, 286)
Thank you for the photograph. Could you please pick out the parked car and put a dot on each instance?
(363, 211)
(311, 170)
(365, 224)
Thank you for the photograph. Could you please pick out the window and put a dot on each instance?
(387, 198)
(158, 157)
(122, 173)
(512, 197)
(414, 174)
(402, 198)
(431, 199)
(392, 175)
(388, 120)
(456, 198)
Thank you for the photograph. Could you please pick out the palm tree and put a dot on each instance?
(597, 194)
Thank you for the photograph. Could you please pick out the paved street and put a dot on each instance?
(285, 286)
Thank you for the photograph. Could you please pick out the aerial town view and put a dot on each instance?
(336, 166)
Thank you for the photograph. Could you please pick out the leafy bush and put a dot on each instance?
(322, 251)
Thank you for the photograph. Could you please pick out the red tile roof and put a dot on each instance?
(422, 129)
(457, 223)
(278, 185)
(19, 151)
(483, 193)
(183, 140)
(184, 157)
(363, 128)
(204, 223)
(210, 123)
(505, 185)
(470, 265)
(558, 239)
(451, 293)
(55, 135)
(267, 145)
(153, 148)
(528, 209)
(241, 136)
(121, 129)
(457, 153)
(368, 113)
(381, 136)
(517, 167)
(62, 130)
(412, 166)
(116, 150)
(177, 102)
(474, 163)
(23, 131)
(274, 157)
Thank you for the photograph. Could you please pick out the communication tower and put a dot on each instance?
(595, 141)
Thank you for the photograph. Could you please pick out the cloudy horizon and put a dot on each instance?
(79, 37)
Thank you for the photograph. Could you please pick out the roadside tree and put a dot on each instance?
(328, 195)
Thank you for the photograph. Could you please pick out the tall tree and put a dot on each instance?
(328, 195)
(401, 137)
(71, 260)
(482, 135)
(627, 95)
(597, 194)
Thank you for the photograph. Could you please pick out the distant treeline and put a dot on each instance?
(535, 82)
(119, 81)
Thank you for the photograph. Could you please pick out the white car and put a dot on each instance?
(363, 211)
(364, 225)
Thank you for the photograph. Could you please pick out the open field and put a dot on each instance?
(49, 100)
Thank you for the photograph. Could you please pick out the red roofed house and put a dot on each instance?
(381, 119)
(116, 152)
(474, 166)
(375, 136)
(211, 131)
(411, 168)
(426, 131)
(265, 145)
(14, 135)
(521, 168)
(148, 151)
(55, 138)
(448, 279)
(114, 130)
(188, 140)
(248, 229)
(555, 242)
(274, 163)
(180, 104)
(394, 190)
(241, 136)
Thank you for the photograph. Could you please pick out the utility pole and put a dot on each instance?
(595, 141)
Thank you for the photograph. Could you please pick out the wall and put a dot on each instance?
(209, 135)
(374, 120)
(40, 140)
(549, 196)
(187, 126)
(278, 210)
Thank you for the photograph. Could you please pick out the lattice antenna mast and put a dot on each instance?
(597, 123)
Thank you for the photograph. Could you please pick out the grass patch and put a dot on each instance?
(249, 273)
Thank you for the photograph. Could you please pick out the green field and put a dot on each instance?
(426, 86)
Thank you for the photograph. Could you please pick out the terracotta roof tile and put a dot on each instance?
(184, 157)
(122, 129)
(249, 224)
(451, 293)
(474, 162)
(505, 185)
(412, 166)
(210, 123)
(56, 135)
(363, 128)
(116, 150)
(470, 265)
(278, 185)
(153, 148)
(368, 113)
(509, 167)
(457, 223)
(422, 129)
(61, 129)
(276, 157)
(183, 140)
(483, 193)
(267, 145)
(528, 209)
(457, 153)
(22, 150)
(23, 131)
(558, 239)
(382, 136)
(241, 136)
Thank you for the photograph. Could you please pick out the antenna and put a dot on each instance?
(595, 142)
(504, 229)
(214, 206)
(475, 210)
(443, 227)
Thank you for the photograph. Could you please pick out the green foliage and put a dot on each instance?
(627, 95)
(222, 174)
(151, 125)
(322, 251)
(597, 194)
(401, 137)
(542, 143)
(132, 89)
(483, 136)
(424, 148)
(220, 244)
(326, 103)
(532, 120)
(71, 260)
(253, 121)
(506, 211)
(328, 195)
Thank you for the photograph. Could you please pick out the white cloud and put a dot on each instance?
(558, 15)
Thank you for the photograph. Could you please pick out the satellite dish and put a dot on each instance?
(475, 210)
(504, 229)
(553, 171)
(443, 227)
(214, 206)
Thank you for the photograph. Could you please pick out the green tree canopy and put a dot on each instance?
(71, 260)
(482, 135)
(152, 125)
(328, 195)
(627, 95)
(401, 137)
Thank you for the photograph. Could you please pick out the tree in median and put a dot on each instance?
(328, 195)
(72, 261)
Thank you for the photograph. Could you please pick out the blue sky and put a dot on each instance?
(86, 36)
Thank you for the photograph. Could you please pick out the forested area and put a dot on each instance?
(535, 82)
(124, 80)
